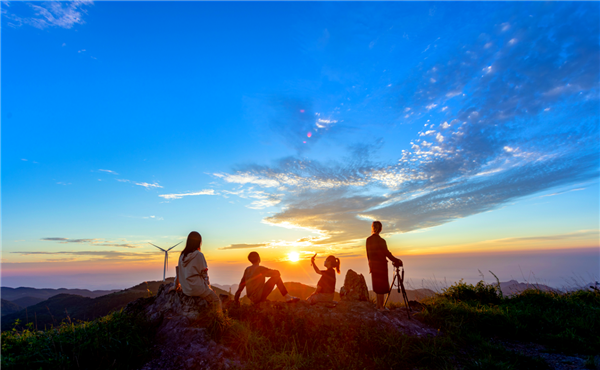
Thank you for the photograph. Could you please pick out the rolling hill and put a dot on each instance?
(9, 307)
(12, 294)
(61, 307)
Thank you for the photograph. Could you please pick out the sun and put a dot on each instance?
(294, 256)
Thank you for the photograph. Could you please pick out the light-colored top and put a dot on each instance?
(254, 277)
(193, 275)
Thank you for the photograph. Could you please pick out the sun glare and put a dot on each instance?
(293, 256)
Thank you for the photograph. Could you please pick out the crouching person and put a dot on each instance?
(257, 289)
(192, 272)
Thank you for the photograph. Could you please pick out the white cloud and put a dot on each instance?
(181, 195)
(109, 171)
(148, 185)
(50, 14)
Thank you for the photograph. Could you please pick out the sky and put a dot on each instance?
(470, 130)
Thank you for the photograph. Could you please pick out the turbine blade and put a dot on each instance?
(174, 246)
(158, 247)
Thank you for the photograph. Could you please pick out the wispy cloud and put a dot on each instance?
(153, 218)
(95, 241)
(242, 246)
(100, 254)
(45, 14)
(181, 195)
(146, 185)
(487, 137)
(109, 171)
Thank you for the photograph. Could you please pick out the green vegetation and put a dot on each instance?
(566, 322)
(282, 340)
(115, 341)
(473, 320)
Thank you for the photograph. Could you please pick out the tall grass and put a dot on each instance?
(473, 320)
(278, 339)
(115, 341)
(567, 322)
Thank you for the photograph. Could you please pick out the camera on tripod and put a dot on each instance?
(398, 281)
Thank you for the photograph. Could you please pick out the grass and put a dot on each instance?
(284, 341)
(115, 341)
(473, 321)
(565, 322)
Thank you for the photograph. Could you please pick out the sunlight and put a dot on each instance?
(294, 256)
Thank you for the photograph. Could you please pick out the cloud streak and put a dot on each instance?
(95, 241)
(181, 195)
(487, 136)
(242, 246)
(46, 14)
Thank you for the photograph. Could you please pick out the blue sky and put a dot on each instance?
(463, 127)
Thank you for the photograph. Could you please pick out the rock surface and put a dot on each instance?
(355, 288)
(182, 342)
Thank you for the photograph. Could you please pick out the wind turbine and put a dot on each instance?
(166, 257)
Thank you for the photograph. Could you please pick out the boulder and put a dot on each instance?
(355, 287)
(182, 341)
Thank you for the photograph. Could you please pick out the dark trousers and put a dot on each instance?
(270, 285)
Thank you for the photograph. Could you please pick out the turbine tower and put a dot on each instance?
(166, 258)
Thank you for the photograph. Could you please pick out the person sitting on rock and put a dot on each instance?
(257, 289)
(326, 284)
(192, 272)
(377, 252)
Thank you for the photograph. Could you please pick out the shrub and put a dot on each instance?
(115, 341)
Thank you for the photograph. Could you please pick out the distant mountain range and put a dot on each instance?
(23, 296)
(48, 307)
(59, 307)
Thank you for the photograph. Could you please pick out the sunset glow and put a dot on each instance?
(470, 130)
(294, 256)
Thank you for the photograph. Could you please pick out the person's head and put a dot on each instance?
(332, 262)
(193, 243)
(254, 258)
(376, 227)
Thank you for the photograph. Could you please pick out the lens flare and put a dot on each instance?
(309, 134)
(294, 256)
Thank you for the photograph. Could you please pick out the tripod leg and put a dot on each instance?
(405, 297)
(391, 287)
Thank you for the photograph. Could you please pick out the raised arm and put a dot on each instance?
(314, 265)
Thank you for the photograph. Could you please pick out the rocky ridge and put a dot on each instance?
(183, 340)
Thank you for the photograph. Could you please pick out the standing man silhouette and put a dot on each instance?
(377, 253)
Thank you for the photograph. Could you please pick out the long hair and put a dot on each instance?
(336, 263)
(193, 243)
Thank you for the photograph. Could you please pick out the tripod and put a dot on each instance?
(400, 284)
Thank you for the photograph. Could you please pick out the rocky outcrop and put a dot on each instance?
(182, 340)
(184, 324)
(355, 288)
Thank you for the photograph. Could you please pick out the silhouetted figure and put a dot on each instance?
(192, 272)
(326, 285)
(377, 253)
(257, 289)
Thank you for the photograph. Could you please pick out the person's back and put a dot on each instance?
(193, 277)
(255, 277)
(377, 254)
(377, 251)
(257, 289)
